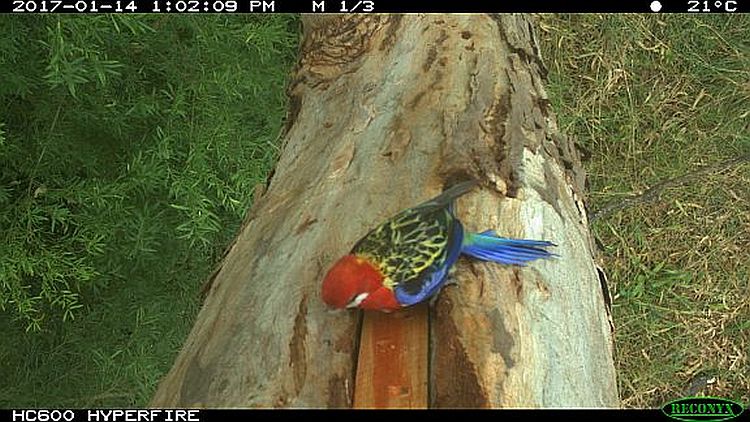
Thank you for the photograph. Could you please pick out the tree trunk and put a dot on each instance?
(385, 110)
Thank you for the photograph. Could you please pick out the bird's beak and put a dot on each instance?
(357, 300)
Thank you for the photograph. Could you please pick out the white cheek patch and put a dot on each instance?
(357, 300)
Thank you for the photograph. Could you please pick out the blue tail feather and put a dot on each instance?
(519, 242)
(501, 256)
(495, 257)
(488, 246)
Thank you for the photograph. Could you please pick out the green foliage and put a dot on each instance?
(129, 150)
(128, 141)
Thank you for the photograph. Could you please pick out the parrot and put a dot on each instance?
(405, 260)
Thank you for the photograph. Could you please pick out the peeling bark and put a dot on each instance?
(385, 110)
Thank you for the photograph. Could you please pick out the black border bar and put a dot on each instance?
(697, 7)
(224, 415)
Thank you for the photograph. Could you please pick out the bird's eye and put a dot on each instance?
(357, 300)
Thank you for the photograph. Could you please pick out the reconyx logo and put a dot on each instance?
(702, 409)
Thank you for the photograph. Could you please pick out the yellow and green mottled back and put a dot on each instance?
(414, 249)
(407, 244)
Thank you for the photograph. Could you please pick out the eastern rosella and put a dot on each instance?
(405, 260)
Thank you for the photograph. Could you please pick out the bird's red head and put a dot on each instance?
(355, 282)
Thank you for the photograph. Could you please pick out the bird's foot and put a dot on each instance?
(451, 281)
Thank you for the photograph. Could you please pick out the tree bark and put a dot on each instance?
(385, 110)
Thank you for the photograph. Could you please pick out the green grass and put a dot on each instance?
(651, 98)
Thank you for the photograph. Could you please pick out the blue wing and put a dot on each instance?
(429, 281)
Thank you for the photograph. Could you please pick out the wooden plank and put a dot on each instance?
(393, 357)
